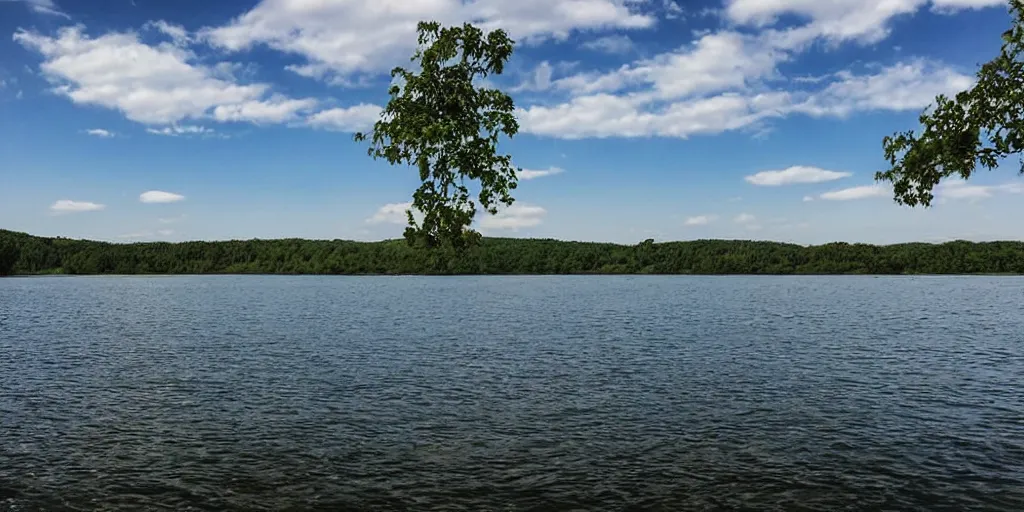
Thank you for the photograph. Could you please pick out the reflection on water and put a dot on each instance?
(512, 393)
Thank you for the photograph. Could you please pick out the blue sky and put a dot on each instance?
(133, 120)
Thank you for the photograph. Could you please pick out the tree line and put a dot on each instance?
(21, 253)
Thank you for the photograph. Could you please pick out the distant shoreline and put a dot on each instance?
(26, 255)
(592, 274)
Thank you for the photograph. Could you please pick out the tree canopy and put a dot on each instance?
(979, 126)
(9, 254)
(446, 126)
(506, 256)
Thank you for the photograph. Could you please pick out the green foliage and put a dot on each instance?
(506, 256)
(445, 126)
(979, 126)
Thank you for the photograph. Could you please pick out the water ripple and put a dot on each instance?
(512, 393)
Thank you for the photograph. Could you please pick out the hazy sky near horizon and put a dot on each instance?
(152, 120)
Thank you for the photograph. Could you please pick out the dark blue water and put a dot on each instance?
(512, 393)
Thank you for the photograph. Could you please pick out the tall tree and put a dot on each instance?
(440, 121)
(979, 126)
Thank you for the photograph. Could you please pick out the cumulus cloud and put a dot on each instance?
(150, 84)
(100, 132)
(177, 33)
(350, 119)
(713, 62)
(348, 37)
(636, 102)
(391, 213)
(159, 196)
(513, 218)
(616, 44)
(530, 174)
(724, 80)
(69, 206)
(699, 220)
(179, 130)
(955, 189)
(538, 80)
(606, 115)
(903, 86)
(272, 110)
(744, 218)
(950, 6)
(795, 174)
(672, 9)
(853, 193)
(836, 21)
(730, 79)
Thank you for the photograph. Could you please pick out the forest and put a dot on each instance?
(23, 254)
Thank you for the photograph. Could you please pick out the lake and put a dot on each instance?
(512, 393)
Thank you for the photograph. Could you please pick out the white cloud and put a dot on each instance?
(904, 86)
(852, 193)
(744, 218)
(672, 9)
(606, 115)
(715, 62)
(539, 80)
(347, 37)
(351, 119)
(513, 218)
(273, 110)
(808, 199)
(865, 21)
(156, 85)
(731, 80)
(699, 220)
(947, 6)
(960, 189)
(837, 20)
(69, 206)
(391, 213)
(159, 196)
(100, 132)
(529, 174)
(43, 7)
(722, 102)
(177, 130)
(177, 33)
(795, 174)
(610, 44)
